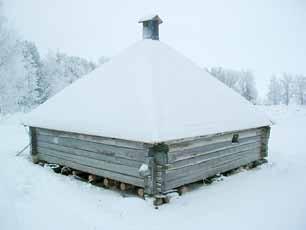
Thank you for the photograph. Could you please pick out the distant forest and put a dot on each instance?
(283, 89)
(28, 79)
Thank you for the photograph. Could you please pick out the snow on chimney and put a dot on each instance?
(150, 26)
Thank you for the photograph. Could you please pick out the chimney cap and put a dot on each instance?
(151, 17)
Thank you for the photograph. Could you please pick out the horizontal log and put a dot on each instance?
(185, 154)
(192, 142)
(135, 154)
(200, 175)
(95, 171)
(199, 157)
(209, 163)
(116, 168)
(97, 139)
(93, 155)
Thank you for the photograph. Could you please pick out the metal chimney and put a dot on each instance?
(150, 27)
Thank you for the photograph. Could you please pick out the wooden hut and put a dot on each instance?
(150, 118)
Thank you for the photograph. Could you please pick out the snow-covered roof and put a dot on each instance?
(149, 93)
(149, 17)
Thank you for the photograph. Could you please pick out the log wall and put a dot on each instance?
(190, 160)
(106, 157)
(171, 164)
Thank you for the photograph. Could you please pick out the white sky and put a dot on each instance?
(266, 36)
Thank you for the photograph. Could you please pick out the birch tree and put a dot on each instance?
(60, 70)
(300, 89)
(242, 82)
(12, 70)
(247, 87)
(275, 91)
(287, 86)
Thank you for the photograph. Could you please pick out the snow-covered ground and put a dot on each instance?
(272, 196)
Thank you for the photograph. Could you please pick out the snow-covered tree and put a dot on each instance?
(242, 82)
(33, 74)
(12, 71)
(247, 87)
(60, 70)
(25, 79)
(287, 87)
(274, 95)
(300, 89)
(228, 76)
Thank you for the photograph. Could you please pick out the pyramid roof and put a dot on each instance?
(149, 93)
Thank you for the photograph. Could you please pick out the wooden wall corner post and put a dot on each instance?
(160, 153)
(33, 144)
(264, 141)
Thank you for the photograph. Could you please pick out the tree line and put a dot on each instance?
(241, 81)
(283, 89)
(27, 79)
(286, 89)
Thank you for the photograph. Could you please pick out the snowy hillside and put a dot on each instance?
(272, 196)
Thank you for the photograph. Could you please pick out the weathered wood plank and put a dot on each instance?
(93, 155)
(185, 154)
(97, 139)
(213, 154)
(265, 139)
(33, 140)
(95, 171)
(192, 142)
(209, 163)
(207, 172)
(117, 168)
(135, 154)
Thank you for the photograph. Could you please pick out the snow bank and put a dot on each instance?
(144, 170)
(271, 197)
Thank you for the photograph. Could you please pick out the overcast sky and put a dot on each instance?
(265, 36)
